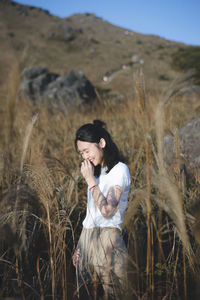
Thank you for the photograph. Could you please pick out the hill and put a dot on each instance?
(84, 42)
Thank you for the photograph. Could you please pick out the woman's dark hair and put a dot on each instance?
(92, 133)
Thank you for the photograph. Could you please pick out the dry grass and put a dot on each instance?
(38, 153)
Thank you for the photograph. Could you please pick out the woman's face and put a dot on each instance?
(91, 151)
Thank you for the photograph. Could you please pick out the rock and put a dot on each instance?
(190, 94)
(73, 88)
(35, 80)
(33, 72)
(195, 89)
(64, 32)
(38, 84)
(189, 145)
(68, 33)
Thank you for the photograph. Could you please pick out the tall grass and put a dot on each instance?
(43, 197)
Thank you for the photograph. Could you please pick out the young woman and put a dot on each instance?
(101, 254)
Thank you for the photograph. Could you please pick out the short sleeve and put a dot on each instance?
(119, 175)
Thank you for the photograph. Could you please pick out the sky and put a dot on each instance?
(176, 20)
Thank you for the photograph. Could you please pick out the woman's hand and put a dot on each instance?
(75, 257)
(87, 170)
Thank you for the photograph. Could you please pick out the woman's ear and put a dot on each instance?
(102, 143)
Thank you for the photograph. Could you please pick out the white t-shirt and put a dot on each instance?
(118, 175)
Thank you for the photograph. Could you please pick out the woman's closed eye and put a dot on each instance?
(84, 152)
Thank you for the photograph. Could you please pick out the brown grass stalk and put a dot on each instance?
(13, 90)
(166, 185)
(27, 137)
(141, 95)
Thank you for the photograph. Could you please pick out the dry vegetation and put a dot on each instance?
(43, 196)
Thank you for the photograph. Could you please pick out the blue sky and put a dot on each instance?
(176, 20)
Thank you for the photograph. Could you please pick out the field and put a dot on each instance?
(43, 196)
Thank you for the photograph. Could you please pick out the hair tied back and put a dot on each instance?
(99, 123)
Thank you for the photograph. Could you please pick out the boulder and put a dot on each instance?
(189, 147)
(35, 81)
(33, 72)
(73, 89)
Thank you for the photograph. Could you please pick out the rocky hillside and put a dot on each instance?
(108, 55)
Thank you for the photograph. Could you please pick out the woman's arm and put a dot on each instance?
(107, 205)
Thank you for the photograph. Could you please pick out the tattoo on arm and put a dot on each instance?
(107, 205)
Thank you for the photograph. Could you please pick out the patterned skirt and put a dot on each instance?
(102, 265)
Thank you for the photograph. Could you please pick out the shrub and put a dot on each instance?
(187, 58)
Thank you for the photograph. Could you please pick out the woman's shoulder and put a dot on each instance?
(119, 175)
(120, 167)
